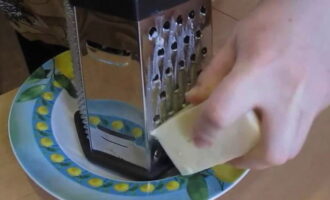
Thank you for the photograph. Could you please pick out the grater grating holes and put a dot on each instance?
(174, 46)
(179, 20)
(186, 39)
(193, 57)
(179, 48)
(168, 71)
(161, 52)
(157, 119)
(181, 63)
(198, 34)
(166, 26)
(191, 14)
(203, 10)
(162, 95)
(153, 33)
(156, 78)
(204, 51)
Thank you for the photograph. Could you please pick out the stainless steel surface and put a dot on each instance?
(180, 33)
(147, 64)
(74, 43)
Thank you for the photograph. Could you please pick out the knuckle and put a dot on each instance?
(259, 54)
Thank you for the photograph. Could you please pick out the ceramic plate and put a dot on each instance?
(45, 142)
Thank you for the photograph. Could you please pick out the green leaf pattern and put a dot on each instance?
(31, 93)
(197, 187)
(38, 75)
(36, 90)
(66, 84)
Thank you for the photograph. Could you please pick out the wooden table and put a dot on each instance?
(305, 178)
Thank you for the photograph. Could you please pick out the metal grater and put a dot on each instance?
(134, 61)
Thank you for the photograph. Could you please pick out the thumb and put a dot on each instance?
(213, 73)
(232, 98)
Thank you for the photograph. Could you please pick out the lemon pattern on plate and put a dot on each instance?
(74, 171)
(49, 96)
(172, 185)
(57, 84)
(41, 126)
(95, 182)
(46, 142)
(94, 120)
(117, 125)
(147, 188)
(63, 63)
(121, 187)
(227, 172)
(137, 132)
(56, 158)
(42, 110)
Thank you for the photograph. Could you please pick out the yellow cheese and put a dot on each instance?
(231, 142)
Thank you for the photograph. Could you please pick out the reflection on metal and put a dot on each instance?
(148, 64)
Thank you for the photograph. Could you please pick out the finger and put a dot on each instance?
(279, 127)
(213, 73)
(304, 124)
(277, 137)
(230, 100)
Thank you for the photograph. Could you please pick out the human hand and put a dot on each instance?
(277, 62)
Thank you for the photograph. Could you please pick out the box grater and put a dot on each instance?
(134, 61)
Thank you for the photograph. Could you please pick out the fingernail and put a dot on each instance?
(191, 92)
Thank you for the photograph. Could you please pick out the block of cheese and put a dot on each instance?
(175, 136)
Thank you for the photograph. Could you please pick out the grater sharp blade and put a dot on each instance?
(73, 38)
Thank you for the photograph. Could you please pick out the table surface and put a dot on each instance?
(306, 177)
